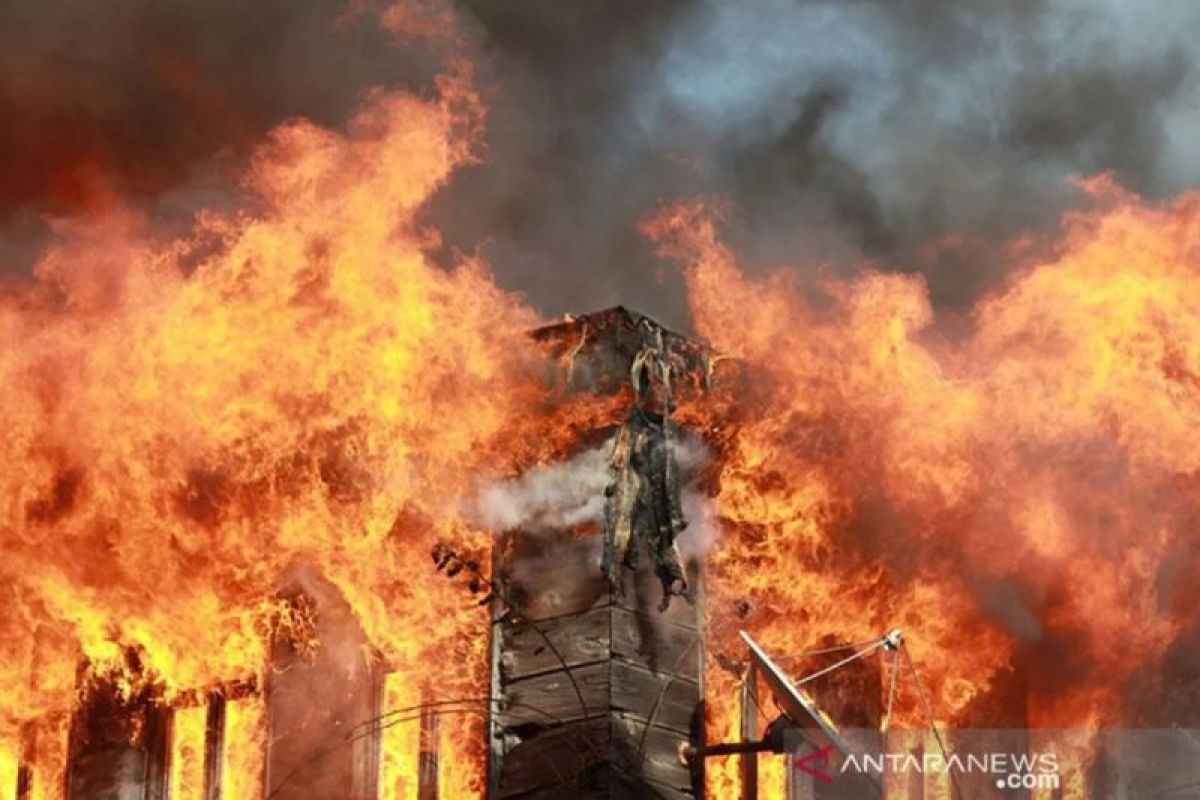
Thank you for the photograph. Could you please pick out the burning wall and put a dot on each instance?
(291, 383)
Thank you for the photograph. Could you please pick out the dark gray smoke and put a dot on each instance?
(915, 134)
(839, 130)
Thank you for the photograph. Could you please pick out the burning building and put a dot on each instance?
(230, 453)
(597, 666)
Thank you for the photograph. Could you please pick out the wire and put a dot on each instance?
(347, 740)
(825, 651)
(894, 668)
(402, 715)
(870, 648)
(929, 716)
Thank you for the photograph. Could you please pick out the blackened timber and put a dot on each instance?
(156, 738)
(29, 742)
(535, 647)
(427, 765)
(597, 702)
(214, 745)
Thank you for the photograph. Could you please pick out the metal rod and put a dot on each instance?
(692, 752)
(868, 649)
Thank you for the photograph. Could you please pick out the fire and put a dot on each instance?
(1014, 496)
(187, 753)
(9, 754)
(291, 383)
(294, 383)
(241, 772)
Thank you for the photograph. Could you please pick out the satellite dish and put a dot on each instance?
(796, 705)
(802, 718)
(802, 711)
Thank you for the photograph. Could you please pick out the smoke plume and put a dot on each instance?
(916, 136)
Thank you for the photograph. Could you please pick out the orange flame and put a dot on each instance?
(1014, 496)
(293, 382)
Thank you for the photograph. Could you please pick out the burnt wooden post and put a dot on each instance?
(28, 751)
(428, 760)
(594, 694)
(157, 743)
(214, 745)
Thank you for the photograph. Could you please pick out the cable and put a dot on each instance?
(895, 671)
(870, 648)
(929, 716)
(397, 717)
(587, 716)
(825, 651)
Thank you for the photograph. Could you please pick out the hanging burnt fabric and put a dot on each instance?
(643, 508)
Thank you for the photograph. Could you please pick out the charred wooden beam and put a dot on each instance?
(156, 737)
(214, 745)
(428, 761)
(596, 696)
(28, 755)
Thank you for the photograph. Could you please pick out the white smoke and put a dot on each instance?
(548, 497)
(566, 494)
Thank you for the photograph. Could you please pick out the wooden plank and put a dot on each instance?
(625, 689)
(576, 761)
(659, 645)
(531, 648)
(650, 754)
(672, 702)
(555, 759)
(214, 745)
(567, 585)
(554, 697)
